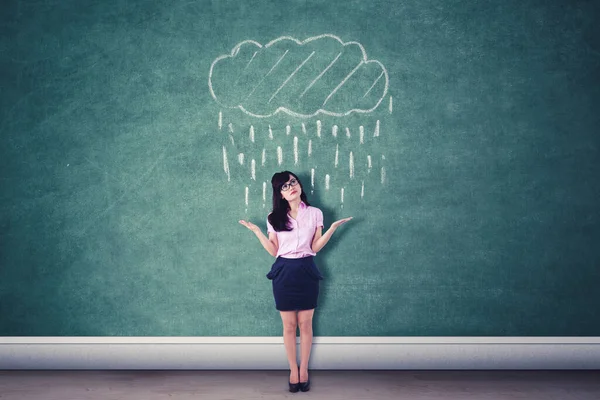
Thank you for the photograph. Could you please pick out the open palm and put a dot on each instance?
(249, 225)
(340, 222)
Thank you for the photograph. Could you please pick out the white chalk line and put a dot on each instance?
(342, 83)
(250, 62)
(295, 150)
(290, 77)
(320, 75)
(226, 164)
(245, 68)
(265, 77)
(374, 83)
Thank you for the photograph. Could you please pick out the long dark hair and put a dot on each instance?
(278, 217)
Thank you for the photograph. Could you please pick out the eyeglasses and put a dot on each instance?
(287, 186)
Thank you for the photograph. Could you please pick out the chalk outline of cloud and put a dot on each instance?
(364, 61)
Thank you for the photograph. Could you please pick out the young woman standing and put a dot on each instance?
(295, 231)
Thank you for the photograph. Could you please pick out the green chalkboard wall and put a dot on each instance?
(462, 136)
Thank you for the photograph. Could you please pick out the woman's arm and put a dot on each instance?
(270, 244)
(320, 239)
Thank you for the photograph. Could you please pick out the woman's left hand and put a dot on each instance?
(337, 224)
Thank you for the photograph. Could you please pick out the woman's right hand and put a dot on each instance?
(250, 226)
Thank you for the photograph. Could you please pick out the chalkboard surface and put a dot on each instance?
(462, 137)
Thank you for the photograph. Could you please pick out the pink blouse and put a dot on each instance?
(297, 242)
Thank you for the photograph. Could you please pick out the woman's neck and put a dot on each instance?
(294, 205)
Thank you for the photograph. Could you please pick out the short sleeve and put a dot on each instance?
(270, 227)
(318, 217)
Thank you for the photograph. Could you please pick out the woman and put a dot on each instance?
(295, 235)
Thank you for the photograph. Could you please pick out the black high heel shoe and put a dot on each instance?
(305, 386)
(294, 387)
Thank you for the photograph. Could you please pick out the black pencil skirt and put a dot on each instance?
(295, 283)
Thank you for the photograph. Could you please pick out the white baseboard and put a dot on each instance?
(252, 353)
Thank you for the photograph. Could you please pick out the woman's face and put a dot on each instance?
(291, 190)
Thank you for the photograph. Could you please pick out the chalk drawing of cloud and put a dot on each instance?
(320, 75)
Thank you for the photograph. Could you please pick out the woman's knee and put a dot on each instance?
(305, 325)
(305, 318)
(290, 326)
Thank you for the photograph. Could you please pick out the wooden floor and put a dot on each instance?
(331, 385)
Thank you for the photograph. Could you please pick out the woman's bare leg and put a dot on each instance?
(290, 325)
(305, 318)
